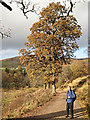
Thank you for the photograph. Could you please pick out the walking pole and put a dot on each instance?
(5, 5)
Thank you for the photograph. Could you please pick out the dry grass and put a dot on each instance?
(76, 84)
(18, 102)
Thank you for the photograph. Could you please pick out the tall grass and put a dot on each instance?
(16, 103)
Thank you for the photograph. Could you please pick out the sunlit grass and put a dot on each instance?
(25, 99)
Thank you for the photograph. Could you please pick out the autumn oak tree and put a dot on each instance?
(52, 41)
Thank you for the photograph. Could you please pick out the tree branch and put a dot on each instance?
(25, 7)
(71, 7)
(5, 5)
(4, 35)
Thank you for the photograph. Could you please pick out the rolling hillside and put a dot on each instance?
(14, 62)
(11, 62)
(26, 98)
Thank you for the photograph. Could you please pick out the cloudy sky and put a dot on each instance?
(19, 26)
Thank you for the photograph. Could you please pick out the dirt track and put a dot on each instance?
(55, 109)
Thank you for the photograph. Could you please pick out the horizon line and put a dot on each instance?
(18, 56)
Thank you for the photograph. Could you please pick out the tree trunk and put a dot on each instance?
(53, 87)
(48, 85)
(44, 85)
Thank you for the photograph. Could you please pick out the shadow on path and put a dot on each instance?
(54, 116)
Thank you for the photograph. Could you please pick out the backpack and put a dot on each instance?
(75, 96)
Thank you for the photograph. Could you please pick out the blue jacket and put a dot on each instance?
(71, 94)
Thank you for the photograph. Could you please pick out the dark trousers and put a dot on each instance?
(70, 106)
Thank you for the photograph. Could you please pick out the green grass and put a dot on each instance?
(2, 68)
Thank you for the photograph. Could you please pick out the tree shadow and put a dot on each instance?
(53, 116)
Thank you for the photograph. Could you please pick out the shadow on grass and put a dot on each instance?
(53, 116)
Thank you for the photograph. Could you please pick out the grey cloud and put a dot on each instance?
(8, 53)
(20, 26)
(13, 44)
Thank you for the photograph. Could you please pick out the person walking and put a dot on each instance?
(70, 99)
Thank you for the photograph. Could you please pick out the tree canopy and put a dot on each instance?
(52, 40)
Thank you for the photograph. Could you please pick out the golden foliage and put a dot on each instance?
(53, 38)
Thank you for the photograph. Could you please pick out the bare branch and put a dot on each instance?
(26, 7)
(3, 35)
(71, 7)
(5, 5)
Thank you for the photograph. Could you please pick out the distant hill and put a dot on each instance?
(11, 62)
(14, 62)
